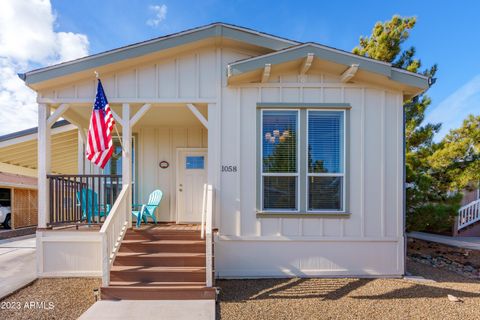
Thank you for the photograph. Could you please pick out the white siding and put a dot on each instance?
(371, 236)
(157, 144)
(189, 75)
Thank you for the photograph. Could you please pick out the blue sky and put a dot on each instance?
(445, 32)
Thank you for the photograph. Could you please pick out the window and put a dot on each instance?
(195, 162)
(325, 160)
(302, 160)
(280, 160)
(114, 165)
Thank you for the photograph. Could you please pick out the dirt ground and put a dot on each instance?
(283, 298)
(352, 298)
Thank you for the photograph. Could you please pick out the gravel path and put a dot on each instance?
(352, 298)
(65, 298)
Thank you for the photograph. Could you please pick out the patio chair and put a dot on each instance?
(148, 210)
(91, 209)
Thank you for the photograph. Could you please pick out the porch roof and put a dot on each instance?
(244, 70)
(18, 150)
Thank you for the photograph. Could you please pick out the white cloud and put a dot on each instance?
(28, 40)
(456, 107)
(160, 12)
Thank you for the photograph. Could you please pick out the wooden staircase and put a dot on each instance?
(159, 263)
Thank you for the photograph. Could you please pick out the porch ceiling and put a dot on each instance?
(64, 153)
(159, 115)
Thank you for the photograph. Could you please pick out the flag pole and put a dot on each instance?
(115, 125)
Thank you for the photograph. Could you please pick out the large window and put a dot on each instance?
(302, 160)
(280, 160)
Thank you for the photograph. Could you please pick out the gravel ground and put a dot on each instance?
(65, 298)
(352, 298)
(283, 298)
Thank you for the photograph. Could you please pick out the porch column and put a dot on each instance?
(44, 165)
(127, 156)
(214, 158)
(81, 151)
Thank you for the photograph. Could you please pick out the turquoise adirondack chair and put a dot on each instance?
(90, 210)
(149, 208)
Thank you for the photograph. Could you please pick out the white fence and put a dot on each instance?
(113, 231)
(469, 214)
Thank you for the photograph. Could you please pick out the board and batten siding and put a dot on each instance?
(157, 144)
(367, 242)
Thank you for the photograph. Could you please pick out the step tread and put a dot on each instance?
(161, 254)
(118, 268)
(178, 284)
(163, 241)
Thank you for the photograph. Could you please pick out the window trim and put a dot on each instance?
(280, 174)
(317, 174)
(302, 140)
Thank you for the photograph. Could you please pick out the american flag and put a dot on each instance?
(99, 146)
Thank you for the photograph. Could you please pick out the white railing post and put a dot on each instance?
(204, 205)
(209, 240)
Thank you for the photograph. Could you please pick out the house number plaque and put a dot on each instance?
(229, 169)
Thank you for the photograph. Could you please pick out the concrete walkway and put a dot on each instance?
(472, 243)
(151, 309)
(17, 263)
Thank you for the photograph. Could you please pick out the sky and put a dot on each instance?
(36, 33)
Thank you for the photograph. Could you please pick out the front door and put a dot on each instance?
(191, 176)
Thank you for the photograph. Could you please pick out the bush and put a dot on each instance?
(435, 217)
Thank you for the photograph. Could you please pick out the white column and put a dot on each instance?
(214, 158)
(44, 165)
(127, 157)
(81, 151)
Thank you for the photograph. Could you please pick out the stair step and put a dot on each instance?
(172, 259)
(148, 246)
(157, 284)
(152, 274)
(157, 293)
(162, 236)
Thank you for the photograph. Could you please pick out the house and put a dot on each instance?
(18, 174)
(467, 221)
(292, 153)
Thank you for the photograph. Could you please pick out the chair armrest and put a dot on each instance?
(137, 204)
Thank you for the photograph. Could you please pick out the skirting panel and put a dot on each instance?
(257, 259)
(69, 254)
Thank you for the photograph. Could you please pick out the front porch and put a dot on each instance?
(85, 218)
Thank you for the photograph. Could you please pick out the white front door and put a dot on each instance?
(191, 176)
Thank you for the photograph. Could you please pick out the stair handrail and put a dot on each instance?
(469, 214)
(113, 230)
(208, 233)
(204, 212)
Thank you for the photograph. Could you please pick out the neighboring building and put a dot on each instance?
(467, 223)
(18, 174)
(301, 143)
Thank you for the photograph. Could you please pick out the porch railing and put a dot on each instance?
(82, 199)
(206, 230)
(113, 231)
(469, 214)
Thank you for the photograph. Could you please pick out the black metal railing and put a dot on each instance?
(82, 199)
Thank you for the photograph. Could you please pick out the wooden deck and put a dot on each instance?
(161, 226)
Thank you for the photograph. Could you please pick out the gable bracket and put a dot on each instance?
(348, 74)
(266, 72)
